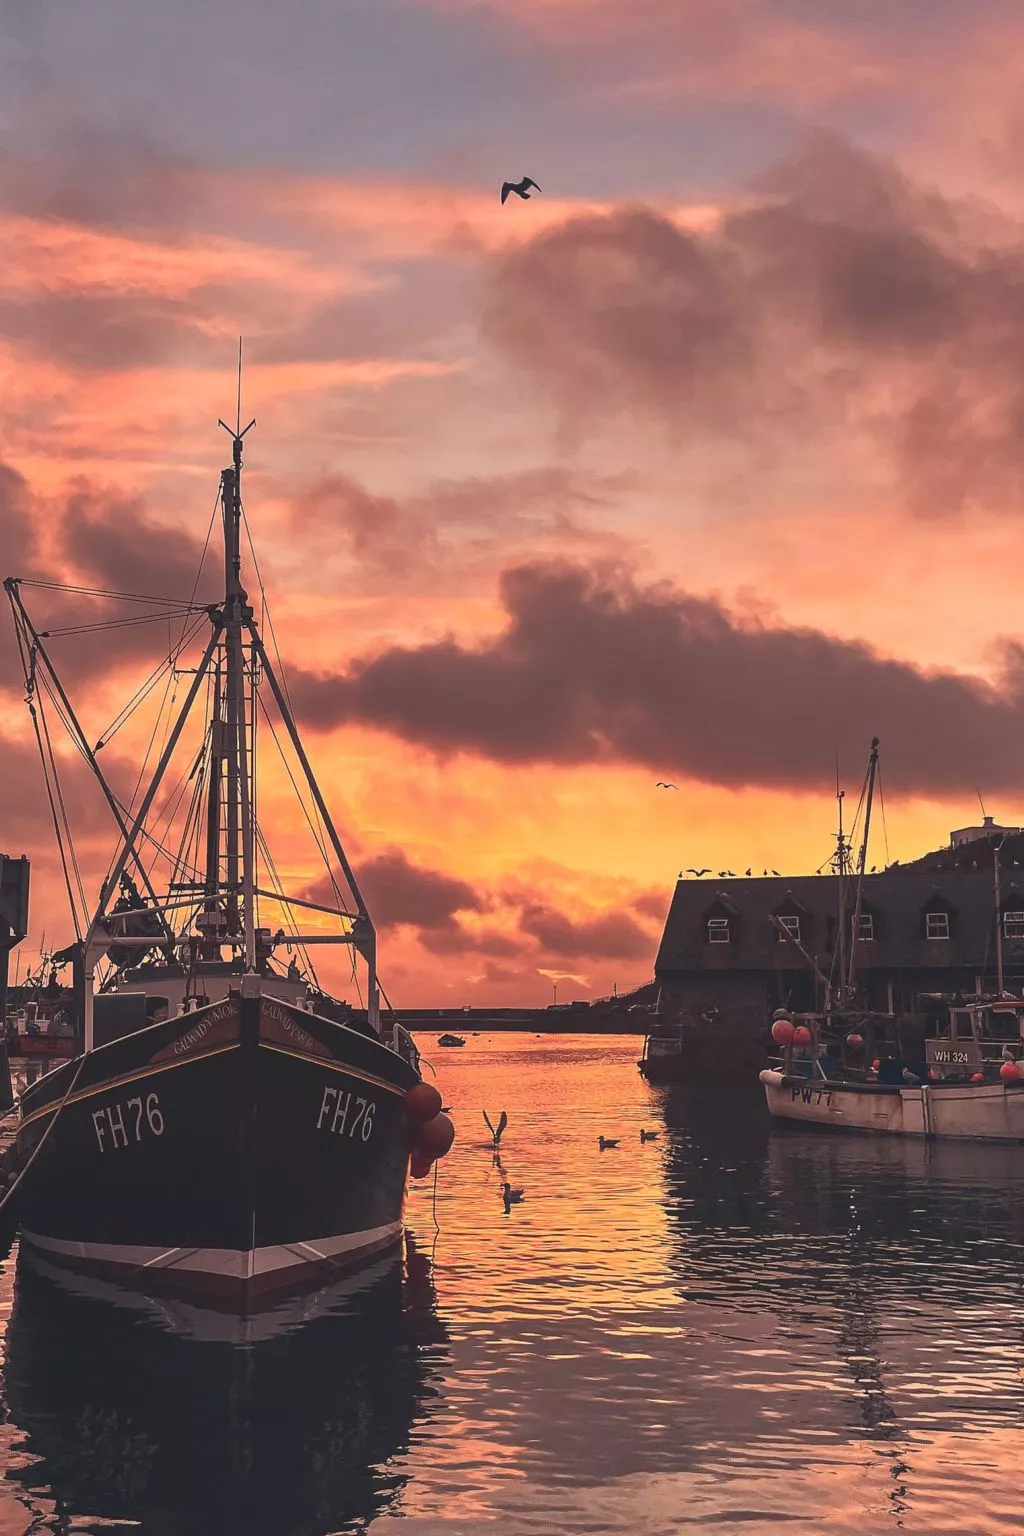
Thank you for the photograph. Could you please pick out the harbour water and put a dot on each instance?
(728, 1329)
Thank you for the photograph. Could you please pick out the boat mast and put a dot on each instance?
(999, 916)
(239, 893)
(842, 867)
(862, 861)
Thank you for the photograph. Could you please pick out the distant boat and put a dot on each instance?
(224, 1128)
(663, 1059)
(450, 1040)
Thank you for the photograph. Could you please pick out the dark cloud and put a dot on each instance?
(17, 538)
(612, 935)
(653, 904)
(109, 331)
(26, 823)
(116, 543)
(455, 524)
(110, 542)
(592, 667)
(846, 297)
(399, 893)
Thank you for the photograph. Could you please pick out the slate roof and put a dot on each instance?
(897, 898)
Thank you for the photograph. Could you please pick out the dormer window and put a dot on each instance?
(866, 927)
(791, 923)
(936, 925)
(718, 930)
(1013, 924)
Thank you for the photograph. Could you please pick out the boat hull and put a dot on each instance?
(233, 1153)
(670, 1067)
(965, 1112)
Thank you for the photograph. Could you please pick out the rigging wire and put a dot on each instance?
(139, 618)
(53, 812)
(127, 597)
(881, 802)
(146, 688)
(314, 828)
(289, 918)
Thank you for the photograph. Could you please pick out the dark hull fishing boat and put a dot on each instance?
(225, 1128)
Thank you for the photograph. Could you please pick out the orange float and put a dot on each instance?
(423, 1102)
(782, 1031)
(434, 1137)
(1010, 1072)
(420, 1164)
(802, 1035)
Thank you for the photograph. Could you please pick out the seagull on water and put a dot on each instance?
(511, 1196)
(520, 188)
(604, 1142)
(648, 1135)
(496, 1131)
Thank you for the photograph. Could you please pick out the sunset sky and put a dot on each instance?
(704, 464)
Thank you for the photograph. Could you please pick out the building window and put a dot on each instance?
(866, 927)
(718, 930)
(791, 925)
(1013, 925)
(936, 925)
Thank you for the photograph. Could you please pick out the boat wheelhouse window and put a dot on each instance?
(1013, 925)
(718, 930)
(866, 927)
(1003, 1024)
(936, 925)
(964, 1028)
(791, 923)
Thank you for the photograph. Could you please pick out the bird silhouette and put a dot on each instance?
(648, 1135)
(731, 874)
(662, 785)
(747, 872)
(774, 871)
(496, 1132)
(518, 187)
(604, 1142)
(698, 872)
(513, 1196)
(764, 871)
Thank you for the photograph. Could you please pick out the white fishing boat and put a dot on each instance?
(969, 1085)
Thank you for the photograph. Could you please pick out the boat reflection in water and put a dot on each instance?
(888, 1268)
(185, 1420)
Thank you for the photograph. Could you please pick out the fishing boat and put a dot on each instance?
(957, 1074)
(951, 1068)
(664, 1058)
(225, 1128)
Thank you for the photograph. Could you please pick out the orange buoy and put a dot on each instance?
(421, 1164)
(423, 1101)
(855, 1042)
(434, 1137)
(802, 1035)
(782, 1031)
(1010, 1072)
(977, 1077)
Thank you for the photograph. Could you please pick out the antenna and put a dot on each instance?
(981, 802)
(236, 433)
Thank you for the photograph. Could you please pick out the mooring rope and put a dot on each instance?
(40, 1144)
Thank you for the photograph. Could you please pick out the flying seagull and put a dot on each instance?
(518, 187)
(662, 785)
(496, 1132)
(698, 872)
